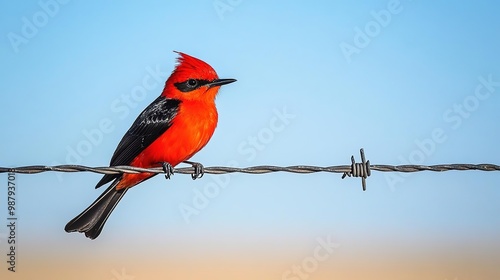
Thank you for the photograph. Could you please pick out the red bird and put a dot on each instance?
(169, 131)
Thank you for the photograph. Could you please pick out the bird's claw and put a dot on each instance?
(199, 169)
(168, 169)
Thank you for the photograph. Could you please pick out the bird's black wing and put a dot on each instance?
(148, 126)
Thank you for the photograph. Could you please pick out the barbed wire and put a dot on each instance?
(362, 169)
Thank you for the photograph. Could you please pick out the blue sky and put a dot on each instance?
(409, 81)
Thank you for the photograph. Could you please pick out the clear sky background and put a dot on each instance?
(408, 81)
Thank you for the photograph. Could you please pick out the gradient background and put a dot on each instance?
(86, 58)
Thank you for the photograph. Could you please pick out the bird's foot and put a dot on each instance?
(199, 170)
(168, 169)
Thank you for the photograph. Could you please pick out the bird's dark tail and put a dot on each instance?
(92, 220)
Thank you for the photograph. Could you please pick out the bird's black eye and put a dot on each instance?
(192, 83)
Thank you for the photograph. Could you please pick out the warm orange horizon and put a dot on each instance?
(307, 260)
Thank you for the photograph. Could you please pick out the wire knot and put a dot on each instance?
(359, 169)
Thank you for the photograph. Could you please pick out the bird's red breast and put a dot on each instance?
(191, 130)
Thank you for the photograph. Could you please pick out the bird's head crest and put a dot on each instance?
(192, 67)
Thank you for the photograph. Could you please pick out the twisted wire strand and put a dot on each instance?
(362, 169)
(261, 169)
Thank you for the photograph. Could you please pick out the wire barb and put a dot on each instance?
(359, 169)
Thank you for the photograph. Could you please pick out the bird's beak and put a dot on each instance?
(220, 82)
